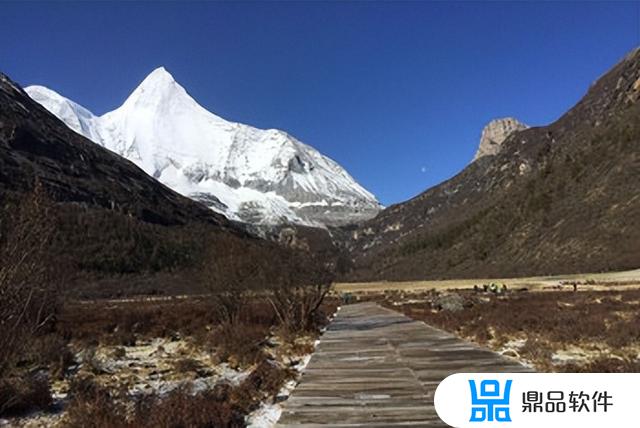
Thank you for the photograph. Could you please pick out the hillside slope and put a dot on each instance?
(559, 198)
(112, 219)
(34, 144)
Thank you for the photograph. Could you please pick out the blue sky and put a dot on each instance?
(396, 92)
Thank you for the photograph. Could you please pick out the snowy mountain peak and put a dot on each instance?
(249, 174)
(158, 80)
(159, 74)
(158, 89)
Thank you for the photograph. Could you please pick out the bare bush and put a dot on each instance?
(20, 394)
(229, 273)
(94, 406)
(232, 274)
(293, 284)
(184, 408)
(297, 298)
(239, 344)
(27, 279)
(52, 351)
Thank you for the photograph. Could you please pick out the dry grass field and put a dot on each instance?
(595, 281)
(155, 362)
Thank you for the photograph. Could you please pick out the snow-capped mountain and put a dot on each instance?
(249, 174)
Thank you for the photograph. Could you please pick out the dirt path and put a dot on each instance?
(375, 367)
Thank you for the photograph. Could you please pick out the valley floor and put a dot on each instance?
(593, 281)
(145, 362)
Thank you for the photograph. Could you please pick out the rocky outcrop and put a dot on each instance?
(494, 134)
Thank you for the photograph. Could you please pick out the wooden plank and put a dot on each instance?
(375, 367)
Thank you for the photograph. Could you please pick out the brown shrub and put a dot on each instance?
(123, 323)
(297, 307)
(187, 365)
(28, 285)
(239, 343)
(298, 297)
(302, 347)
(53, 352)
(624, 332)
(265, 381)
(560, 316)
(294, 283)
(94, 406)
(19, 395)
(268, 377)
(224, 406)
(184, 408)
(91, 361)
(604, 365)
(548, 319)
(119, 353)
(536, 349)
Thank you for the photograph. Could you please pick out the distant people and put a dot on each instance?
(347, 298)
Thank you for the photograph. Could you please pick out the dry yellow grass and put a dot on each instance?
(626, 279)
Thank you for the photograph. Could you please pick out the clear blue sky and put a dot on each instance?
(396, 92)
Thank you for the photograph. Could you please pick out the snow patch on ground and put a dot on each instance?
(572, 355)
(267, 415)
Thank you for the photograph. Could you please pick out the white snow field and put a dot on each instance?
(249, 174)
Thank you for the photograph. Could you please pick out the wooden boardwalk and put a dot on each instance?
(375, 367)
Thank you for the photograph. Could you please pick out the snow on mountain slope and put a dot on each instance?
(249, 174)
(73, 115)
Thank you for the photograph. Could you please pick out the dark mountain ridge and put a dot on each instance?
(34, 144)
(118, 230)
(555, 199)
